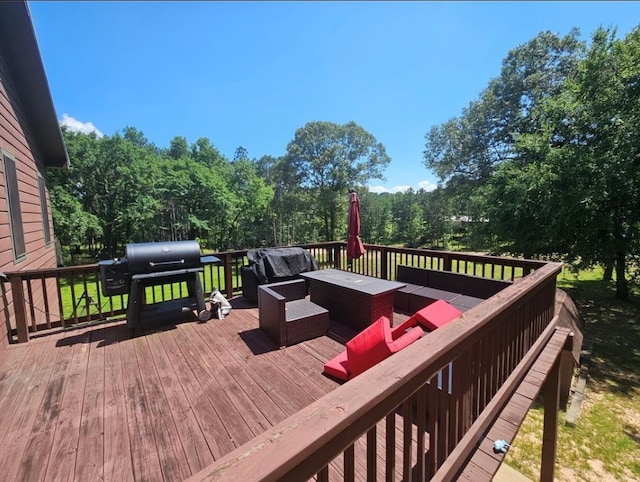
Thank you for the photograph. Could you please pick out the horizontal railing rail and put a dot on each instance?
(421, 401)
(45, 299)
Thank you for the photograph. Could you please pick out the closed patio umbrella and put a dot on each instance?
(355, 249)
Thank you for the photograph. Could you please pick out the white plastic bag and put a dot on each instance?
(220, 307)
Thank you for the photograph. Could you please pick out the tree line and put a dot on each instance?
(122, 188)
(544, 163)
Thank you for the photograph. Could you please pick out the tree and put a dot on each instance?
(253, 197)
(71, 223)
(574, 189)
(178, 148)
(330, 159)
(467, 149)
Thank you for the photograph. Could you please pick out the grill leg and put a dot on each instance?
(195, 291)
(134, 305)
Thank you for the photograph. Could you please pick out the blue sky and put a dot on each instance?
(251, 73)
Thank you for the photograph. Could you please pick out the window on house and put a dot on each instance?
(13, 201)
(42, 187)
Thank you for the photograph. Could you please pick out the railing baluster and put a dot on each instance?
(407, 438)
(323, 475)
(372, 454)
(421, 426)
(390, 447)
(443, 415)
(31, 303)
(349, 464)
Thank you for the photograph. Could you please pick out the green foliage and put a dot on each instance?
(328, 159)
(467, 149)
(122, 189)
(548, 154)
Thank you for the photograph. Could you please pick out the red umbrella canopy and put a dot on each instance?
(355, 249)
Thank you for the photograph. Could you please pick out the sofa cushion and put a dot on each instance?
(403, 340)
(338, 367)
(437, 314)
(369, 347)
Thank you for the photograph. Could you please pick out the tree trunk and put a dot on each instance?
(622, 288)
(608, 271)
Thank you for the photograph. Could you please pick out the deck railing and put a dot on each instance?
(41, 300)
(428, 403)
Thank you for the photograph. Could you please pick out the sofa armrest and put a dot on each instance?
(292, 290)
(272, 313)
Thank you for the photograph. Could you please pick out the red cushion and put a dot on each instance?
(338, 367)
(405, 340)
(369, 347)
(437, 314)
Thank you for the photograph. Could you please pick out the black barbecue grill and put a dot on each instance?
(152, 264)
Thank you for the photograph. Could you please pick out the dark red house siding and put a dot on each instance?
(20, 143)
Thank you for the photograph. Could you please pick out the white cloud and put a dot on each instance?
(426, 185)
(74, 125)
(377, 189)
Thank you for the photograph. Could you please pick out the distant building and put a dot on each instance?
(30, 141)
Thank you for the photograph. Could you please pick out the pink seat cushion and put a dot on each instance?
(437, 314)
(338, 367)
(369, 347)
(405, 339)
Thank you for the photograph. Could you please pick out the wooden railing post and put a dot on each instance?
(17, 293)
(337, 260)
(446, 262)
(551, 390)
(228, 274)
(384, 265)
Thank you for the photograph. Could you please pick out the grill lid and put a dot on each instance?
(163, 256)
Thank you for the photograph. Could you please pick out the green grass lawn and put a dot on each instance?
(605, 442)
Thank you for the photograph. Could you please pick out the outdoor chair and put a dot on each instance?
(286, 316)
(369, 347)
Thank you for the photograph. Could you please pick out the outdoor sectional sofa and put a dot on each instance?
(424, 286)
(379, 340)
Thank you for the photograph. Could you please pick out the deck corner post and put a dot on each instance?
(17, 293)
(551, 390)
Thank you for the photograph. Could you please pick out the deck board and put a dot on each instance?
(33, 441)
(91, 428)
(96, 403)
(20, 406)
(65, 441)
(118, 463)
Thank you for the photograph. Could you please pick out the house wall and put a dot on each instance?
(17, 140)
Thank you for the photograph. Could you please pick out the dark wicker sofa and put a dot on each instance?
(424, 286)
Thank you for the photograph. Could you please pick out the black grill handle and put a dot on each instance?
(166, 263)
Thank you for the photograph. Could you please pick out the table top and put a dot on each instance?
(353, 281)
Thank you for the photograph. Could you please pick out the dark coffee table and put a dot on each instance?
(352, 299)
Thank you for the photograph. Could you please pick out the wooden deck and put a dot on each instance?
(96, 404)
